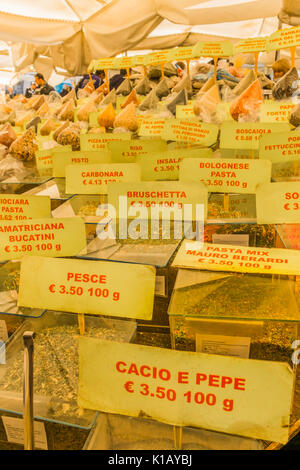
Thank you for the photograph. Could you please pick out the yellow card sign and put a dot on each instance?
(82, 286)
(239, 259)
(157, 57)
(128, 151)
(43, 159)
(226, 394)
(62, 159)
(276, 111)
(100, 141)
(281, 147)
(165, 165)
(171, 198)
(246, 135)
(251, 45)
(95, 178)
(226, 176)
(191, 131)
(185, 111)
(44, 237)
(20, 207)
(278, 203)
(151, 127)
(284, 38)
(180, 53)
(213, 49)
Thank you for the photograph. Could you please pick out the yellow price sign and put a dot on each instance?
(213, 49)
(185, 111)
(151, 127)
(89, 142)
(166, 165)
(284, 38)
(278, 203)
(21, 207)
(82, 286)
(276, 112)
(171, 198)
(44, 237)
(128, 151)
(227, 175)
(43, 159)
(95, 178)
(62, 159)
(247, 46)
(237, 396)
(191, 131)
(281, 147)
(214, 257)
(246, 135)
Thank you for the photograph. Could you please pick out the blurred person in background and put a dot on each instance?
(117, 79)
(42, 87)
(98, 79)
(65, 89)
(30, 91)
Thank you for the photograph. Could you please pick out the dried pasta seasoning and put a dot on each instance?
(55, 368)
(88, 210)
(239, 298)
(260, 235)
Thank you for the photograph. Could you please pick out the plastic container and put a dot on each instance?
(55, 374)
(116, 432)
(242, 315)
(55, 188)
(159, 253)
(92, 208)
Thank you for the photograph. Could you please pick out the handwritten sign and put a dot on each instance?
(281, 147)
(226, 394)
(171, 198)
(62, 159)
(95, 178)
(189, 130)
(247, 136)
(100, 141)
(44, 237)
(278, 203)
(20, 207)
(226, 176)
(239, 259)
(166, 165)
(82, 286)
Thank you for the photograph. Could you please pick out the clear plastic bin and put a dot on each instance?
(55, 188)
(116, 432)
(92, 208)
(242, 315)
(56, 372)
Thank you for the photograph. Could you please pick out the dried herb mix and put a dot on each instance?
(55, 368)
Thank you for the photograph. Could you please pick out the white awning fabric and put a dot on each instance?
(70, 33)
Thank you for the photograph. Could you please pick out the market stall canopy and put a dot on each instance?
(73, 32)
